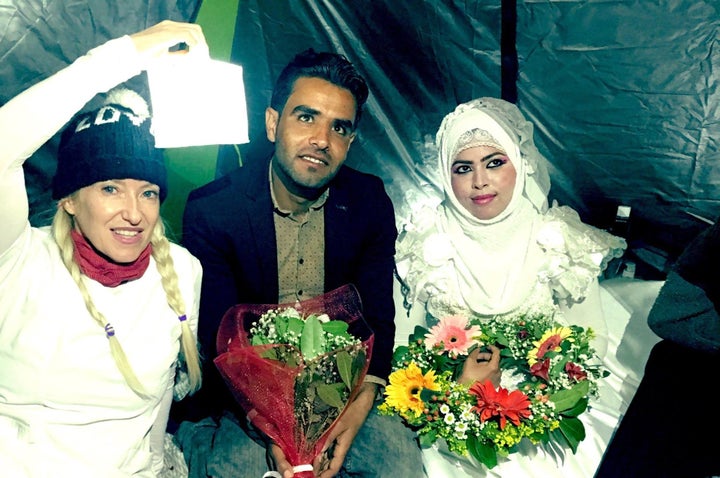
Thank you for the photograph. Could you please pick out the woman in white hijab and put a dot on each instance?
(493, 247)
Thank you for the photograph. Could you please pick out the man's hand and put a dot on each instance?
(281, 464)
(339, 439)
(344, 432)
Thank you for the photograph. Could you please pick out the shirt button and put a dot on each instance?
(299, 292)
(301, 261)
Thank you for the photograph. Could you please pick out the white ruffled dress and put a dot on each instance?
(573, 257)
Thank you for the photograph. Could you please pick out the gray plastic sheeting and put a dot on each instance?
(625, 96)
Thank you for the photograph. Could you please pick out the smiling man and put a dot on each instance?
(291, 227)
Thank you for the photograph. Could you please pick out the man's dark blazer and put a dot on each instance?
(228, 225)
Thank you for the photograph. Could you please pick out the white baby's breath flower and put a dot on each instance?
(466, 415)
(461, 435)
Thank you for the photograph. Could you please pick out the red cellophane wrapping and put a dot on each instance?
(271, 392)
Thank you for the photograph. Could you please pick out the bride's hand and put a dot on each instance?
(482, 365)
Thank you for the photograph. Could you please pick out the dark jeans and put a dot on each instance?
(671, 426)
(383, 448)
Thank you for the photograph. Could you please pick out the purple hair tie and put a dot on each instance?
(109, 330)
(182, 318)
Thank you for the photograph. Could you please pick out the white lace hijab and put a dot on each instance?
(497, 260)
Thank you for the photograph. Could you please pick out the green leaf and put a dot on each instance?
(270, 354)
(579, 407)
(426, 394)
(427, 439)
(321, 407)
(507, 354)
(442, 363)
(573, 431)
(312, 340)
(400, 353)
(559, 365)
(259, 340)
(329, 394)
(336, 327)
(291, 324)
(501, 339)
(557, 436)
(281, 326)
(344, 365)
(418, 333)
(482, 452)
(567, 399)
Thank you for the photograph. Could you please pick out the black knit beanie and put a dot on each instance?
(111, 142)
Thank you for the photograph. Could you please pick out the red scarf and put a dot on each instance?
(101, 269)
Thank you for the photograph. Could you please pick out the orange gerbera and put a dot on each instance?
(549, 342)
(454, 334)
(500, 403)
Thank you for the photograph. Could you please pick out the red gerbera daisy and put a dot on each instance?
(500, 403)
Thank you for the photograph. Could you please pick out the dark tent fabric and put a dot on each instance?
(624, 95)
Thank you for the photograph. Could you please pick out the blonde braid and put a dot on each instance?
(62, 224)
(168, 274)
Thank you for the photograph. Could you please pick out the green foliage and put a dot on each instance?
(578, 409)
(345, 368)
(482, 452)
(312, 340)
(331, 394)
(568, 398)
(336, 327)
(427, 439)
(571, 432)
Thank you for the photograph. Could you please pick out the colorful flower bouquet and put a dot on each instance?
(549, 372)
(294, 368)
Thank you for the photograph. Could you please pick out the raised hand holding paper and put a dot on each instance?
(197, 101)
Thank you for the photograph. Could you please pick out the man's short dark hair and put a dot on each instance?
(332, 67)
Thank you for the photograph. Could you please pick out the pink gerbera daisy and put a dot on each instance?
(453, 333)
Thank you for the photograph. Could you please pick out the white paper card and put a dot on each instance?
(197, 102)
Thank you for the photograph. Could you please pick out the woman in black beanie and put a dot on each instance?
(97, 310)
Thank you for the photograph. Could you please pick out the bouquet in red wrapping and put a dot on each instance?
(294, 367)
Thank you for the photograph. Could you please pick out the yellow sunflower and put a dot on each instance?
(403, 392)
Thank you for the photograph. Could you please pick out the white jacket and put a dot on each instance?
(65, 408)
